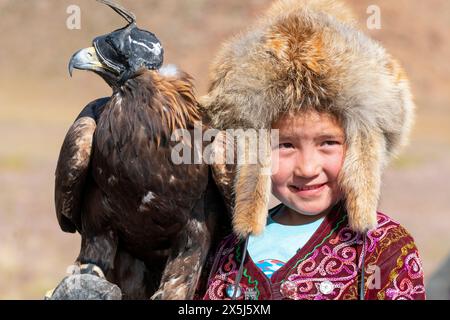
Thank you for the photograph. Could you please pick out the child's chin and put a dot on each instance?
(311, 210)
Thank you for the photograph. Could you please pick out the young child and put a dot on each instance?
(343, 108)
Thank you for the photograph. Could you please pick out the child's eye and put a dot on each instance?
(330, 143)
(285, 145)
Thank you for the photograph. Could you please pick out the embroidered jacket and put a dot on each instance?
(327, 267)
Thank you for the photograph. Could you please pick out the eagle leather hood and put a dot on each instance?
(309, 54)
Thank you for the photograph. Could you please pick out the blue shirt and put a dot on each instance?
(279, 243)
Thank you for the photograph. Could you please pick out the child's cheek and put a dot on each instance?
(275, 166)
(277, 186)
(332, 169)
(280, 170)
(335, 164)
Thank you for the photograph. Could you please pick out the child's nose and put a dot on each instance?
(307, 166)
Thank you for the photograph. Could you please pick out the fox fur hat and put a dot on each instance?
(309, 54)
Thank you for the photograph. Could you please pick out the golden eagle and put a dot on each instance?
(146, 224)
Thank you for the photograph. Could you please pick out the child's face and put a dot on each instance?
(310, 156)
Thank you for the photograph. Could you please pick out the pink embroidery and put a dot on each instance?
(405, 290)
(337, 267)
(216, 290)
(414, 266)
(384, 225)
(337, 264)
(328, 271)
(226, 273)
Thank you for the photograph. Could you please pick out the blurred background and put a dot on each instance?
(39, 101)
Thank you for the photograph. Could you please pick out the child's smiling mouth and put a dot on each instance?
(307, 190)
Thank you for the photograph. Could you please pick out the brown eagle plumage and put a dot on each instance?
(146, 222)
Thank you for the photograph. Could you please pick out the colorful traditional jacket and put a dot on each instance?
(327, 267)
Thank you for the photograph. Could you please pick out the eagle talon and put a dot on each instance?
(92, 269)
(157, 296)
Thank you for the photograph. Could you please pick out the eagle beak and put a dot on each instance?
(86, 59)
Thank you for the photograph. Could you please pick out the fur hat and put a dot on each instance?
(303, 54)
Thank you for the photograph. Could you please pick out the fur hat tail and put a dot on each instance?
(360, 180)
(253, 186)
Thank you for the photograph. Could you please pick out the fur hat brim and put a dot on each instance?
(308, 54)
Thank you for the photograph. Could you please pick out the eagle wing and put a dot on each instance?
(73, 166)
(223, 173)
